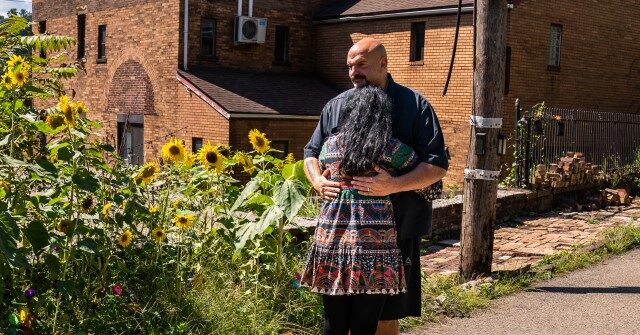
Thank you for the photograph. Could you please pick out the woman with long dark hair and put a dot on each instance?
(354, 261)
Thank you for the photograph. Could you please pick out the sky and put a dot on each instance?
(5, 5)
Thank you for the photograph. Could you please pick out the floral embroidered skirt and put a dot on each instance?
(354, 249)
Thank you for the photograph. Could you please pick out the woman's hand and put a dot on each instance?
(379, 185)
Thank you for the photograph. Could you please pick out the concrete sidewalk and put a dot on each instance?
(603, 299)
(525, 244)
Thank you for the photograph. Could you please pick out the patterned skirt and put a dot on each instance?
(355, 249)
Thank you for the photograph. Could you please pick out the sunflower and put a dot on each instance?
(63, 101)
(55, 120)
(158, 234)
(125, 238)
(289, 159)
(184, 221)
(259, 141)
(106, 209)
(70, 113)
(223, 149)
(23, 314)
(245, 160)
(16, 60)
(87, 204)
(173, 150)
(189, 159)
(210, 157)
(153, 209)
(7, 82)
(19, 78)
(148, 172)
(5, 185)
(81, 108)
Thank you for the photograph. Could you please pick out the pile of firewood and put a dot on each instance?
(616, 197)
(570, 170)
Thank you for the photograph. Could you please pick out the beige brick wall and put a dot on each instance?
(295, 132)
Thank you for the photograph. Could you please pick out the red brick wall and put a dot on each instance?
(141, 51)
(198, 119)
(293, 13)
(296, 132)
(453, 110)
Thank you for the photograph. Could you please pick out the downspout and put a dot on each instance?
(239, 7)
(185, 38)
(250, 8)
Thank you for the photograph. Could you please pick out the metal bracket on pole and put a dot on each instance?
(481, 174)
(485, 122)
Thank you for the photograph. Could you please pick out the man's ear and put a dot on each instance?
(383, 62)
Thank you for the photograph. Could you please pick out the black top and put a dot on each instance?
(415, 124)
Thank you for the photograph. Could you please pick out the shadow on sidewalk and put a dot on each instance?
(585, 290)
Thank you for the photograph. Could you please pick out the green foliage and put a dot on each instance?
(112, 248)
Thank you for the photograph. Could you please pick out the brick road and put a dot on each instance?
(527, 240)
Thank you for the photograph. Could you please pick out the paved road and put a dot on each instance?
(603, 299)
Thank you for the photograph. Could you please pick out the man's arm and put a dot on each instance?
(383, 183)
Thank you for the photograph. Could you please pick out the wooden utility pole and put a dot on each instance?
(481, 174)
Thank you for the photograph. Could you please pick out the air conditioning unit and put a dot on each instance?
(250, 29)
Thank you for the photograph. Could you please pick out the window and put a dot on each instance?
(507, 70)
(82, 20)
(417, 41)
(130, 141)
(102, 43)
(280, 145)
(208, 37)
(42, 28)
(281, 54)
(555, 42)
(196, 144)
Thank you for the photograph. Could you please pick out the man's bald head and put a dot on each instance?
(367, 62)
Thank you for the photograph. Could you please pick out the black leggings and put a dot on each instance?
(356, 313)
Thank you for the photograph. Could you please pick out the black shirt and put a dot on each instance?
(414, 124)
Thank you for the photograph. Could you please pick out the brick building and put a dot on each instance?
(569, 54)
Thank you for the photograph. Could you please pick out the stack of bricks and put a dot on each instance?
(569, 171)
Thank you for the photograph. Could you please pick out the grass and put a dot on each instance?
(443, 296)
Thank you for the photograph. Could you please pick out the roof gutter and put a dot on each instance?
(425, 12)
(273, 116)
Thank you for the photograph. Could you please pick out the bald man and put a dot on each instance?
(415, 124)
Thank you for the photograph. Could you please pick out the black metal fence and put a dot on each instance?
(610, 140)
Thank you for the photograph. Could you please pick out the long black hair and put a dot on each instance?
(365, 129)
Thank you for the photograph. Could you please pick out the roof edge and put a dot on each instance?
(202, 95)
(420, 12)
(273, 116)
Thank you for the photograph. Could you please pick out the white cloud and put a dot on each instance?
(6, 5)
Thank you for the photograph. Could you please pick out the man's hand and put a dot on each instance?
(379, 185)
(329, 190)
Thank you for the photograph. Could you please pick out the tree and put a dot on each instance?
(22, 13)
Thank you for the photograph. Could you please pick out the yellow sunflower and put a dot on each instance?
(289, 159)
(259, 141)
(106, 209)
(16, 60)
(125, 238)
(153, 209)
(189, 159)
(19, 78)
(245, 160)
(55, 120)
(223, 149)
(173, 150)
(148, 172)
(6, 80)
(184, 221)
(63, 101)
(81, 108)
(70, 113)
(210, 158)
(158, 234)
